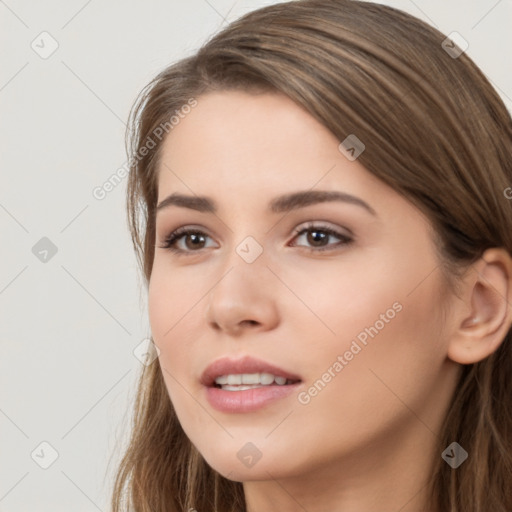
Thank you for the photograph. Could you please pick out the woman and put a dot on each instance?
(318, 201)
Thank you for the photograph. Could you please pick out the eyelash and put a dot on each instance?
(175, 236)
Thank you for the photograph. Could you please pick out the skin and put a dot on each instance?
(366, 440)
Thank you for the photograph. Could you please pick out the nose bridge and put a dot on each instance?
(250, 250)
(243, 293)
(247, 233)
(244, 266)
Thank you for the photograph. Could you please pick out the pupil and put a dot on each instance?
(195, 237)
(316, 239)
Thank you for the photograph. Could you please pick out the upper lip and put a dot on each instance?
(247, 364)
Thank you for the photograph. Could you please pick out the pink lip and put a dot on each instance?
(249, 399)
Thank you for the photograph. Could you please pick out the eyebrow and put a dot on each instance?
(280, 204)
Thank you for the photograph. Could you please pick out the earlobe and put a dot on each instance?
(489, 299)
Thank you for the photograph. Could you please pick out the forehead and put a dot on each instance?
(264, 140)
(233, 125)
(243, 150)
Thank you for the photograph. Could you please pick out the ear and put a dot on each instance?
(488, 297)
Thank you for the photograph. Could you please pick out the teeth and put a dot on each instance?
(264, 379)
(250, 378)
(234, 379)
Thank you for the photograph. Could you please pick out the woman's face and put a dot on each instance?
(356, 315)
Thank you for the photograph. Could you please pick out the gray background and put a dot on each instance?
(70, 323)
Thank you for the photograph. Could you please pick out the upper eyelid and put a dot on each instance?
(318, 224)
(323, 224)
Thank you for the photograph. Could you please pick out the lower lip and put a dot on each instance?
(249, 399)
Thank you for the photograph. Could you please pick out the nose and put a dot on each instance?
(243, 299)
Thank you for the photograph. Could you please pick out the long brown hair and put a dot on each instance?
(434, 129)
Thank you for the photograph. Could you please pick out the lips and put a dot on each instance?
(245, 365)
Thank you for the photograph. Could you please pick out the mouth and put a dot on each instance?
(243, 381)
(247, 372)
(247, 384)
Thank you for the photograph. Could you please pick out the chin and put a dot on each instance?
(236, 473)
(246, 464)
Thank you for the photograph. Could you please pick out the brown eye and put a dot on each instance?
(194, 240)
(318, 236)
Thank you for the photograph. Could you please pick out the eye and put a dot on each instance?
(318, 236)
(171, 242)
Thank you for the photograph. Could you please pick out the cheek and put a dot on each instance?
(161, 298)
(170, 309)
(166, 317)
(171, 299)
(384, 382)
(336, 303)
(386, 323)
(393, 362)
